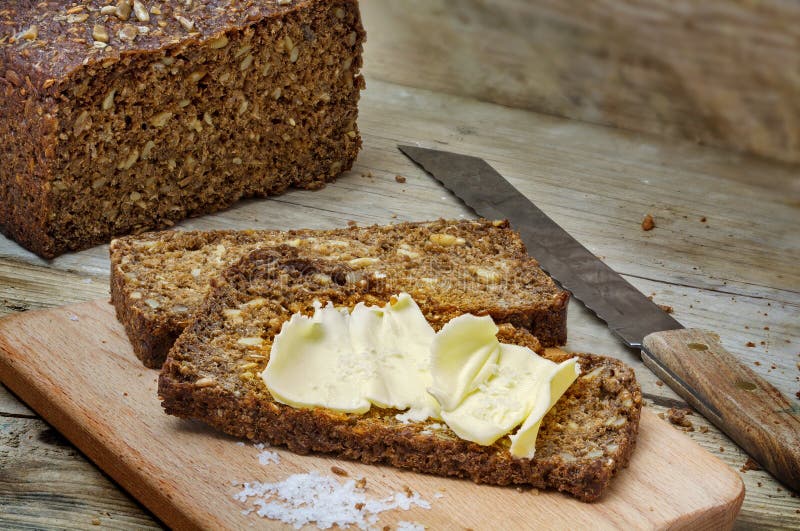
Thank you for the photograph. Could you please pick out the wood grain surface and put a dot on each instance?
(734, 273)
(745, 406)
(83, 377)
(721, 72)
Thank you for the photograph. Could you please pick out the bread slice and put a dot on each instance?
(212, 375)
(158, 280)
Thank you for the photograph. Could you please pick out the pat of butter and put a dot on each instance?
(391, 357)
(348, 361)
(487, 389)
(463, 357)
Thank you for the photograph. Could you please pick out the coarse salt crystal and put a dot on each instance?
(266, 457)
(301, 499)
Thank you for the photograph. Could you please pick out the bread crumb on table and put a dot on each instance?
(750, 344)
(648, 223)
(677, 417)
(400, 179)
(750, 464)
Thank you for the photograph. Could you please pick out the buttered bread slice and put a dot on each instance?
(158, 280)
(213, 374)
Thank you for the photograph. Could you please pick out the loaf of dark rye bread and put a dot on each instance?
(117, 117)
(158, 280)
(212, 375)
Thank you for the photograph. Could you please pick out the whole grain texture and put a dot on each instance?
(126, 116)
(212, 375)
(159, 280)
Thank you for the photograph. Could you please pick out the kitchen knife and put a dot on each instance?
(692, 362)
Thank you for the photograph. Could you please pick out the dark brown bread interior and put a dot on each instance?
(584, 440)
(158, 280)
(110, 123)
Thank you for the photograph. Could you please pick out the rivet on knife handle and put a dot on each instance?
(742, 404)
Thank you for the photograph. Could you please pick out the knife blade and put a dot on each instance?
(693, 362)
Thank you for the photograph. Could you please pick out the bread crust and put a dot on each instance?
(584, 440)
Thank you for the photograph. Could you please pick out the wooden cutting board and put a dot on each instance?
(75, 367)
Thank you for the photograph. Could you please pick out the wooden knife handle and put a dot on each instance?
(739, 402)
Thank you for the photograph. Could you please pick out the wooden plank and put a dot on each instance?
(47, 484)
(10, 406)
(595, 181)
(721, 72)
(25, 286)
(84, 378)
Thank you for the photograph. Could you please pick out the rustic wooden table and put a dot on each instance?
(723, 255)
